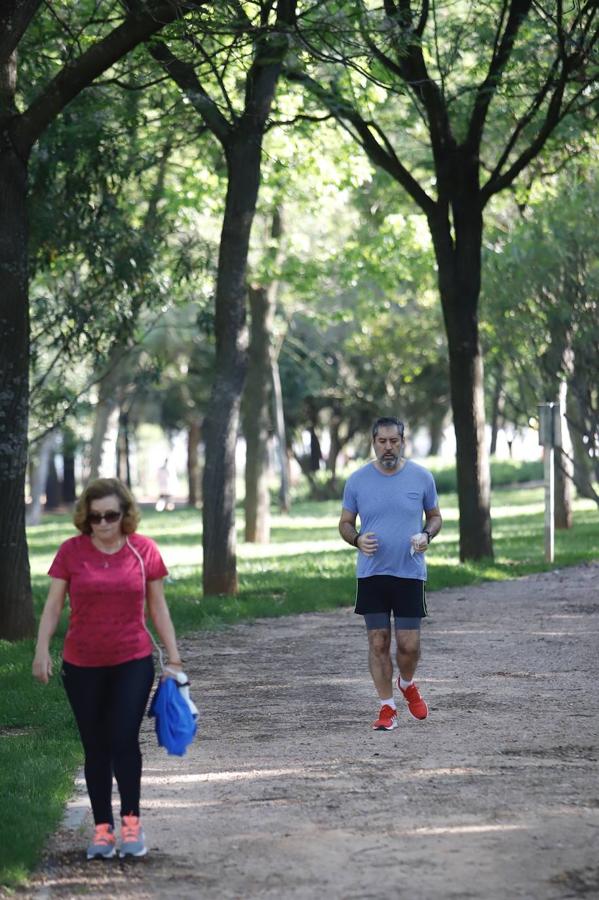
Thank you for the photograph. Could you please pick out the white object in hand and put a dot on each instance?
(418, 543)
(183, 685)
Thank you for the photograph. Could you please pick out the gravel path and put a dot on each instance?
(288, 793)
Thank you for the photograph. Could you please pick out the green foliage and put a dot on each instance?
(540, 302)
(111, 248)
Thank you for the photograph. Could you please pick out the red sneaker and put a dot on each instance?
(387, 719)
(416, 705)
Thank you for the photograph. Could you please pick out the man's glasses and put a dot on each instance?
(94, 518)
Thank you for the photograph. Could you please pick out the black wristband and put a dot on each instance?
(355, 542)
(429, 536)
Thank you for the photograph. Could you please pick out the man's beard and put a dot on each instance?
(390, 462)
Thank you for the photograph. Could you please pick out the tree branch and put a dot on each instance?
(382, 154)
(15, 16)
(519, 9)
(555, 114)
(136, 28)
(185, 76)
(414, 72)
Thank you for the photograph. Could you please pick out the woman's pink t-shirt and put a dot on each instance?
(107, 599)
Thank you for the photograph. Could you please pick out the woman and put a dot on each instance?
(108, 572)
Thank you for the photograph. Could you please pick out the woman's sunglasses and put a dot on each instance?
(94, 518)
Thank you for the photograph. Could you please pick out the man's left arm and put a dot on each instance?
(434, 522)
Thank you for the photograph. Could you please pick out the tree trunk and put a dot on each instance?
(222, 420)
(256, 418)
(583, 469)
(69, 487)
(335, 446)
(194, 479)
(39, 477)
(459, 270)
(123, 461)
(436, 427)
(279, 419)
(53, 487)
(107, 403)
(16, 605)
(558, 358)
(315, 450)
(497, 406)
(564, 470)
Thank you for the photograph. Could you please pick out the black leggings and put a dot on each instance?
(109, 703)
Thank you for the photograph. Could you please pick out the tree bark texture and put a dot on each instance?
(458, 256)
(16, 605)
(222, 420)
(256, 416)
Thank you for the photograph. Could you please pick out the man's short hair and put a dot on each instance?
(387, 422)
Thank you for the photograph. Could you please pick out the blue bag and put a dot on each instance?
(176, 725)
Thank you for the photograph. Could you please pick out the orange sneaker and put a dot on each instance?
(387, 719)
(103, 845)
(416, 705)
(132, 838)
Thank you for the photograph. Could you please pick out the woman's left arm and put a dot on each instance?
(161, 618)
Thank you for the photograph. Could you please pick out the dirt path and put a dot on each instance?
(289, 794)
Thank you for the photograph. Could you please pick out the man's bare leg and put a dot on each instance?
(408, 652)
(379, 661)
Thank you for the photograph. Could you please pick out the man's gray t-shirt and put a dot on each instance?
(392, 507)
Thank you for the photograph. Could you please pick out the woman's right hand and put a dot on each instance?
(42, 666)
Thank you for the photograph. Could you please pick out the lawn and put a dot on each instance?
(306, 567)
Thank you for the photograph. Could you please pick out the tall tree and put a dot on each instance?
(239, 125)
(106, 42)
(454, 101)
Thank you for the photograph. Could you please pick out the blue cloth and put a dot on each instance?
(392, 506)
(175, 725)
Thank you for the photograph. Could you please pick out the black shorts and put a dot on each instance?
(405, 597)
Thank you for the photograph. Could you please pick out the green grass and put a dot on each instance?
(39, 750)
(306, 567)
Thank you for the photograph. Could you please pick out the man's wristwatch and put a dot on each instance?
(429, 536)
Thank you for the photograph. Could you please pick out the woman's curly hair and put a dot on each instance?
(97, 490)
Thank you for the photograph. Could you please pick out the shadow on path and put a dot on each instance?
(288, 793)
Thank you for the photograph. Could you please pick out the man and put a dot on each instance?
(391, 495)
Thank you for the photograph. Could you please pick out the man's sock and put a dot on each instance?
(405, 684)
(390, 702)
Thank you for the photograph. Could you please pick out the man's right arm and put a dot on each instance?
(347, 527)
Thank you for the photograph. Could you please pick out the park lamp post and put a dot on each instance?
(550, 437)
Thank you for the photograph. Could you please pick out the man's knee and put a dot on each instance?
(379, 641)
(408, 643)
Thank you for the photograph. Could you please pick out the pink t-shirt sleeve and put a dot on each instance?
(153, 562)
(60, 564)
